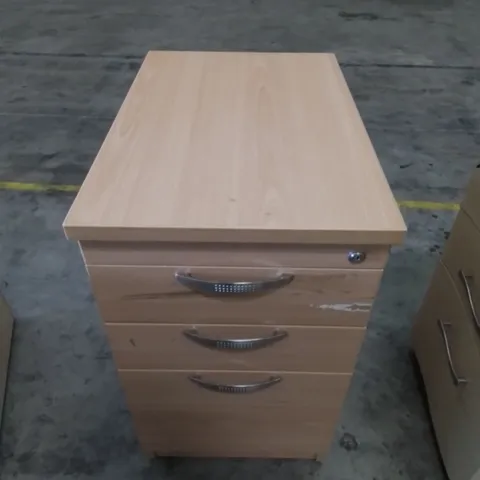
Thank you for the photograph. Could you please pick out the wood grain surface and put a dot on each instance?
(312, 349)
(454, 409)
(237, 147)
(224, 255)
(295, 418)
(315, 297)
(462, 254)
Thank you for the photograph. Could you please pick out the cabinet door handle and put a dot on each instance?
(457, 380)
(466, 281)
(240, 344)
(234, 388)
(231, 288)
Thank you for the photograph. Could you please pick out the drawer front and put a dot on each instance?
(307, 297)
(453, 396)
(471, 203)
(462, 259)
(242, 255)
(294, 418)
(220, 347)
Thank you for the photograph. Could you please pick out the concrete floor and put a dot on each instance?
(65, 66)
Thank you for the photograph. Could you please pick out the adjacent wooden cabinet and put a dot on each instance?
(235, 225)
(446, 339)
(6, 332)
(471, 204)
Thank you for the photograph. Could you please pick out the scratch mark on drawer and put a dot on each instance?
(157, 296)
(344, 307)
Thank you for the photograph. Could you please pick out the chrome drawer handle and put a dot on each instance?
(242, 344)
(456, 379)
(466, 280)
(229, 388)
(231, 288)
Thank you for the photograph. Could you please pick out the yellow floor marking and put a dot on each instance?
(37, 187)
(47, 187)
(428, 205)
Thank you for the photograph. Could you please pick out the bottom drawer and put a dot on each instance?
(450, 366)
(208, 413)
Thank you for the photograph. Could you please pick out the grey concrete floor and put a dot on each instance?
(65, 66)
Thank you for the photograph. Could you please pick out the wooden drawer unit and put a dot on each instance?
(239, 296)
(446, 340)
(450, 365)
(6, 331)
(235, 226)
(286, 415)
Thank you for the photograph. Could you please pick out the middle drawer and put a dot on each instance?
(222, 347)
(234, 295)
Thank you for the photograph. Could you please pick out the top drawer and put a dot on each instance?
(462, 259)
(471, 204)
(240, 255)
(234, 295)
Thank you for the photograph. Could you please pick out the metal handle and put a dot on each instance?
(356, 257)
(229, 388)
(456, 379)
(233, 343)
(466, 280)
(231, 288)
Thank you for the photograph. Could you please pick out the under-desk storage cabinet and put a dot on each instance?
(235, 226)
(446, 340)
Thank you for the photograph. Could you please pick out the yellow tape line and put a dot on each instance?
(429, 205)
(37, 187)
(46, 187)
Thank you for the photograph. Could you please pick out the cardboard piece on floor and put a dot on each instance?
(6, 328)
